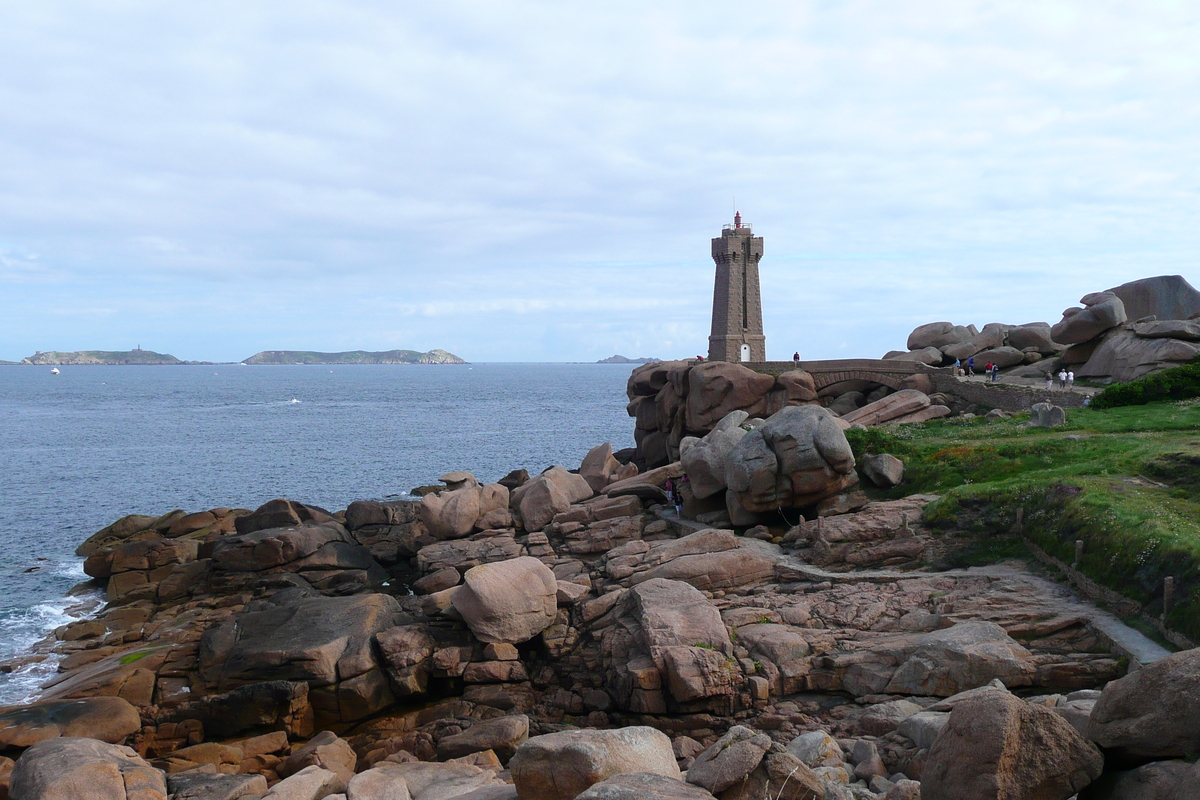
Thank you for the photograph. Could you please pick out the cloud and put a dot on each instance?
(542, 179)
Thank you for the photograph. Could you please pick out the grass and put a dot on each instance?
(1125, 481)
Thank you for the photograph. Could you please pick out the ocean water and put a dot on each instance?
(82, 448)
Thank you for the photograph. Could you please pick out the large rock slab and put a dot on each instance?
(324, 641)
(717, 387)
(215, 786)
(510, 601)
(1132, 719)
(1122, 355)
(502, 735)
(795, 459)
(561, 766)
(1033, 336)
(903, 402)
(970, 654)
(996, 745)
(109, 719)
(938, 334)
(1101, 311)
(70, 768)
(1163, 296)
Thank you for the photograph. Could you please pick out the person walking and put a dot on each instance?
(957, 368)
(1062, 379)
(995, 372)
(1049, 381)
(1070, 380)
(669, 488)
(679, 496)
(971, 365)
(796, 358)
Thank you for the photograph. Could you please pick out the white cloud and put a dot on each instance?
(542, 178)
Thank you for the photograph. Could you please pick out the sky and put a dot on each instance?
(539, 181)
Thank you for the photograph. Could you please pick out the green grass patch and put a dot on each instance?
(1124, 480)
(129, 658)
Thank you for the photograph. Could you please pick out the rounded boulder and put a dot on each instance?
(508, 601)
(561, 766)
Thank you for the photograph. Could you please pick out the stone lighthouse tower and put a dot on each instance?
(737, 327)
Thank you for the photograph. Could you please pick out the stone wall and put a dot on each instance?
(1004, 396)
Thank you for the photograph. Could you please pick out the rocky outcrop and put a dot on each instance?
(454, 514)
(942, 343)
(326, 642)
(673, 400)
(703, 459)
(795, 459)
(1132, 330)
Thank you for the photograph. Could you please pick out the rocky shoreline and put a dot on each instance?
(567, 634)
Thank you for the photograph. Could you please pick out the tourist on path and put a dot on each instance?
(1070, 380)
(957, 368)
(796, 358)
(1062, 379)
(1049, 381)
(679, 496)
(669, 487)
(971, 365)
(995, 372)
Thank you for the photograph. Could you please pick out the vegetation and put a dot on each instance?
(1122, 480)
(353, 357)
(1177, 383)
(101, 357)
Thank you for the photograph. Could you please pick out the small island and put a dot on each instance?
(275, 357)
(103, 357)
(624, 360)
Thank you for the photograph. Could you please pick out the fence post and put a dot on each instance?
(1078, 553)
(1168, 595)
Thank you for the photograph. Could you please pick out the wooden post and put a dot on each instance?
(1078, 552)
(1168, 595)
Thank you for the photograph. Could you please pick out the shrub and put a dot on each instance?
(1177, 383)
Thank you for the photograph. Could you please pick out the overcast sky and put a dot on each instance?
(529, 181)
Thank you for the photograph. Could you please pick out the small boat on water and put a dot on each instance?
(54, 371)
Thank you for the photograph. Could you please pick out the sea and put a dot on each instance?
(80, 449)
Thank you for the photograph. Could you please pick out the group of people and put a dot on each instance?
(1066, 380)
(991, 369)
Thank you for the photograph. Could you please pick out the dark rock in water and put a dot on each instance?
(109, 719)
(75, 767)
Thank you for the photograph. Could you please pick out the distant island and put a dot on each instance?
(353, 357)
(624, 360)
(103, 357)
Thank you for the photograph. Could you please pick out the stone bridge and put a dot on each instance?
(826, 373)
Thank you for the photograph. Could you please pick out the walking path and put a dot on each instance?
(1126, 641)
